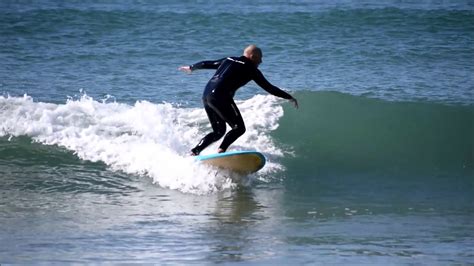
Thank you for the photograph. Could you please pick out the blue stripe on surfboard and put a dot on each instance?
(230, 153)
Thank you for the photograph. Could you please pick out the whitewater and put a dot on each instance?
(145, 139)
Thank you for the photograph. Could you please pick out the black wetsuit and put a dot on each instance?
(232, 73)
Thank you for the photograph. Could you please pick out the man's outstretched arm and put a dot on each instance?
(208, 64)
(266, 85)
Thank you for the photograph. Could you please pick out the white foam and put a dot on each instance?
(146, 138)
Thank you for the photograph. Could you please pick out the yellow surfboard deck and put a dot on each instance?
(242, 162)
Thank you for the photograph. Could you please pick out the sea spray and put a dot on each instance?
(145, 138)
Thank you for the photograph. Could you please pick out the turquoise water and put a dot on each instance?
(375, 167)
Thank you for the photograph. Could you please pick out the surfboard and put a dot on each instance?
(242, 162)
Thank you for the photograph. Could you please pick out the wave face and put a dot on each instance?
(144, 138)
(339, 133)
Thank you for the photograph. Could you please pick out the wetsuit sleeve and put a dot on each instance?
(211, 64)
(266, 85)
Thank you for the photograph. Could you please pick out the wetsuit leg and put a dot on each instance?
(218, 127)
(228, 111)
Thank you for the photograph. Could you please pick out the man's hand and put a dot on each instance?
(186, 69)
(294, 102)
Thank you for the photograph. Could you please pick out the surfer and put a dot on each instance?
(231, 74)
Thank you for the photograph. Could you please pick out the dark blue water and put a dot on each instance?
(377, 165)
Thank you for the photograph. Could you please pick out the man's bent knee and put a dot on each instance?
(239, 130)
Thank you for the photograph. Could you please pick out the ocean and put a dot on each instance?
(96, 124)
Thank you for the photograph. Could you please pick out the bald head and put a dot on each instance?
(253, 53)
